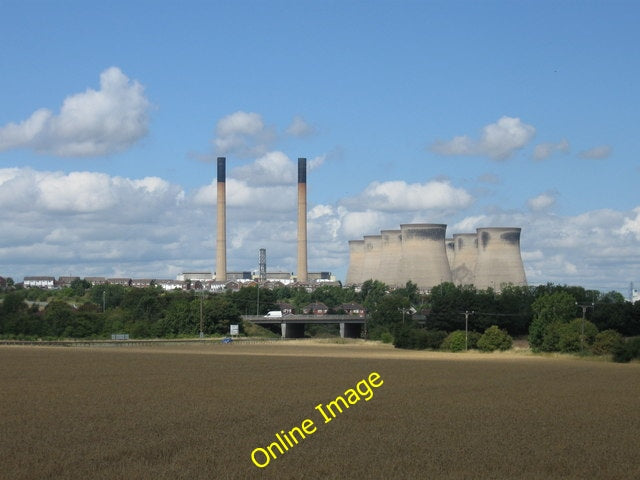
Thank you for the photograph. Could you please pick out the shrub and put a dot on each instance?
(419, 338)
(626, 351)
(433, 338)
(495, 339)
(571, 338)
(606, 342)
(386, 337)
(457, 341)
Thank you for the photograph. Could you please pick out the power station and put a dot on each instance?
(417, 252)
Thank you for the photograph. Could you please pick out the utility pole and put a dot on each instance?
(201, 319)
(466, 328)
(584, 307)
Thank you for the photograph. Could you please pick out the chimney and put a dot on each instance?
(221, 239)
(302, 220)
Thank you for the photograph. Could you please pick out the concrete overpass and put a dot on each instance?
(292, 326)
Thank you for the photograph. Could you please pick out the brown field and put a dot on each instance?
(197, 411)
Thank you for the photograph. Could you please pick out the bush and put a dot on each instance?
(571, 339)
(419, 338)
(495, 339)
(626, 351)
(386, 337)
(457, 341)
(606, 342)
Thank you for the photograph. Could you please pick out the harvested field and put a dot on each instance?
(198, 411)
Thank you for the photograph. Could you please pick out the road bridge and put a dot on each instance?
(292, 326)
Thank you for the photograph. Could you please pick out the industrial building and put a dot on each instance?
(422, 254)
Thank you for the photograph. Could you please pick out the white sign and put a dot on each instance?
(234, 330)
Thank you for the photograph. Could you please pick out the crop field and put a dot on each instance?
(199, 411)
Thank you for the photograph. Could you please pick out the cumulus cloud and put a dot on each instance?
(498, 141)
(273, 168)
(243, 134)
(542, 202)
(92, 123)
(543, 151)
(597, 153)
(631, 225)
(300, 128)
(402, 196)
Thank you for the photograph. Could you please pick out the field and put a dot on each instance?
(198, 411)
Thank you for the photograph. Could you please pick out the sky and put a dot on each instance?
(473, 114)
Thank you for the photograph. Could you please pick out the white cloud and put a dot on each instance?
(498, 141)
(300, 128)
(631, 225)
(273, 168)
(545, 150)
(243, 134)
(597, 153)
(91, 123)
(542, 201)
(402, 196)
(316, 162)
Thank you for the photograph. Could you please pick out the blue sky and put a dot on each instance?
(471, 114)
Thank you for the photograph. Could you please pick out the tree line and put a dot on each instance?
(403, 315)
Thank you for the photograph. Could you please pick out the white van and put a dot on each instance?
(273, 314)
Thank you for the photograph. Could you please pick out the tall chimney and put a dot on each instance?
(221, 239)
(262, 265)
(302, 220)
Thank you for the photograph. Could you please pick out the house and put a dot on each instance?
(317, 308)
(171, 284)
(66, 281)
(96, 280)
(125, 282)
(354, 309)
(39, 282)
(142, 282)
(286, 308)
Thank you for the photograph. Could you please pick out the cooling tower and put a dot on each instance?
(424, 258)
(302, 220)
(390, 255)
(450, 245)
(371, 260)
(499, 260)
(356, 262)
(465, 258)
(221, 238)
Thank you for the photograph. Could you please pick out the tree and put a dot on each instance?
(548, 309)
(494, 338)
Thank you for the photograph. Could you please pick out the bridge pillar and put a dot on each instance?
(292, 330)
(350, 330)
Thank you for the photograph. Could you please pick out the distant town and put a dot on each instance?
(185, 281)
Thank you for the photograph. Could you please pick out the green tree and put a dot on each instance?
(606, 342)
(547, 309)
(494, 338)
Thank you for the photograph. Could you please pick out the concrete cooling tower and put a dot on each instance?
(465, 258)
(450, 245)
(390, 255)
(356, 260)
(499, 260)
(424, 257)
(371, 261)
